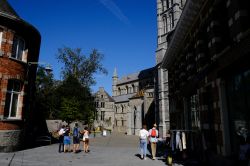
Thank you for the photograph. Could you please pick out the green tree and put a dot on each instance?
(45, 99)
(70, 109)
(81, 66)
(75, 100)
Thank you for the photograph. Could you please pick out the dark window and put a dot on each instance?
(102, 115)
(17, 48)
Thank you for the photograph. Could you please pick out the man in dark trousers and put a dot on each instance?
(61, 135)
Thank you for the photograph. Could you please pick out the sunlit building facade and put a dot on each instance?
(19, 44)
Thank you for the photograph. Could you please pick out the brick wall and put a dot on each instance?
(10, 130)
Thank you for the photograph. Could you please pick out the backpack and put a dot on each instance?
(143, 135)
(75, 132)
(153, 133)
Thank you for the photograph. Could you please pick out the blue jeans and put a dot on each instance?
(143, 147)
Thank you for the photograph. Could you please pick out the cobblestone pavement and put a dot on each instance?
(114, 150)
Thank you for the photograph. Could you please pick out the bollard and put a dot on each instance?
(169, 160)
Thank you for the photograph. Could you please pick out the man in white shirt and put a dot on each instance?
(143, 135)
(61, 135)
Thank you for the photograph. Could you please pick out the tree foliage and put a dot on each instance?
(81, 66)
(76, 102)
(45, 99)
(71, 98)
(70, 109)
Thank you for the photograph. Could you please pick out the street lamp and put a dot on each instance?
(48, 67)
(30, 86)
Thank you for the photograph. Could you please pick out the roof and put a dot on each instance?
(106, 93)
(6, 9)
(123, 98)
(109, 97)
(137, 76)
(128, 78)
(8, 14)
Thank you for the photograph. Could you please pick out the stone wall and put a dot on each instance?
(10, 140)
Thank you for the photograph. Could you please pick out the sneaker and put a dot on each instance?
(145, 158)
(141, 156)
(153, 158)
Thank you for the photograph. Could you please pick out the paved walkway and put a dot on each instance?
(114, 150)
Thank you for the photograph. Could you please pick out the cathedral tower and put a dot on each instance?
(114, 83)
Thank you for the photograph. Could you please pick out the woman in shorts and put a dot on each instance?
(66, 140)
(86, 140)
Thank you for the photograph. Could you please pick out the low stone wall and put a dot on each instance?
(9, 140)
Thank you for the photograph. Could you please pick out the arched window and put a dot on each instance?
(119, 91)
(164, 19)
(162, 4)
(126, 89)
(133, 88)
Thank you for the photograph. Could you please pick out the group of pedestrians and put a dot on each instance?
(146, 136)
(67, 136)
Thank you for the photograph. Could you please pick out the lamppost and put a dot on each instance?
(48, 67)
(30, 82)
(30, 78)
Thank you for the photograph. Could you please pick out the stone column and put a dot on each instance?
(129, 121)
(138, 117)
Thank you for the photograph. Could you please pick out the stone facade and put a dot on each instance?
(168, 14)
(209, 71)
(134, 101)
(19, 44)
(104, 115)
(131, 105)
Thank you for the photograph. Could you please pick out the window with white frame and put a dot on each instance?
(12, 98)
(18, 48)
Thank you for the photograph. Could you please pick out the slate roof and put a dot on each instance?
(106, 93)
(123, 98)
(136, 76)
(7, 10)
(128, 78)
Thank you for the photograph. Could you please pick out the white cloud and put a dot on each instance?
(113, 8)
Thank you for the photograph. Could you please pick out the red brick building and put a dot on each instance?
(19, 44)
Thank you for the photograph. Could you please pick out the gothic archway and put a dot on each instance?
(150, 116)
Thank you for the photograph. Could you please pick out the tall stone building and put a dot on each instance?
(19, 44)
(131, 105)
(168, 14)
(209, 75)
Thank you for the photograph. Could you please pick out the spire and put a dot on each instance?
(115, 73)
(6, 9)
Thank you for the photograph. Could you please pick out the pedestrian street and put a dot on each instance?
(114, 150)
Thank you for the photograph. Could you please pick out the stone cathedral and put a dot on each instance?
(131, 105)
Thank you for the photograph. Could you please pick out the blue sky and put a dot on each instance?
(123, 30)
